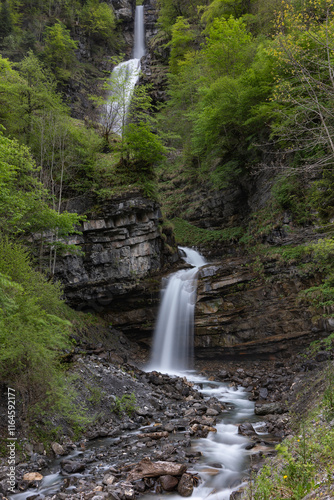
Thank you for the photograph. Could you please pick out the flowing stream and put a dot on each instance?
(225, 459)
(123, 79)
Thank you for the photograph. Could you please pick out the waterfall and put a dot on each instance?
(173, 337)
(124, 78)
(139, 45)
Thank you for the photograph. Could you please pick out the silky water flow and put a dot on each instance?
(225, 460)
(124, 77)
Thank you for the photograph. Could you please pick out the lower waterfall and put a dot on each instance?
(173, 338)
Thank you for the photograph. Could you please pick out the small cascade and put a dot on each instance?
(173, 338)
(124, 77)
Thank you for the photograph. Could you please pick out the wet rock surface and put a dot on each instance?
(239, 314)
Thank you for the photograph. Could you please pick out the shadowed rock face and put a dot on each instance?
(238, 315)
(121, 244)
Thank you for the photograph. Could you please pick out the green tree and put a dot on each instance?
(99, 20)
(304, 66)
(23, 209)
(58, 51)
(181, 43)
(229, 47)
(231, 116)
(142, 145)
(30, 335)
(226, 8)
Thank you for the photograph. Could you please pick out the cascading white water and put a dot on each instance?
(124, 78)
(173, 337)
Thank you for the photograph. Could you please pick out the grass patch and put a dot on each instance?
(188, 234)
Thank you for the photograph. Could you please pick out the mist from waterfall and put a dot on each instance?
(172, 350)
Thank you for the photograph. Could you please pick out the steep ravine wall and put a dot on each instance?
(121, 244)
(241, 316)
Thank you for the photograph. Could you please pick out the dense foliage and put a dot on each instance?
(246, 77)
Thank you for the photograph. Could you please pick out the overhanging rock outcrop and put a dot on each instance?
(121, 243)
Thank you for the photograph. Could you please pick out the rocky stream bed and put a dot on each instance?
(153, 448)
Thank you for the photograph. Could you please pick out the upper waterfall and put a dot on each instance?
(123, 79)
(139, 35)
(173, 337)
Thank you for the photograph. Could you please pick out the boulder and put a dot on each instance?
(58, 449)
(263, 392)
(211, 412)
(70, 466)
(32, 476)
(246, 429)
(186, 485)
(168, 482)
(269, 409)
(322, 356)
(108, 479)
(154, 435)
(146, 468)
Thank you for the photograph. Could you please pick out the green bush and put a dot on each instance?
(125, 405)
(290, 194)
(188, 234)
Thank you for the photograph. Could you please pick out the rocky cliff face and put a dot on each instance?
(154, 64)
(240, 316)
(122, 243)
(125, 12)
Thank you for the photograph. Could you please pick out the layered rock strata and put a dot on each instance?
(239, 315)
(121, 243)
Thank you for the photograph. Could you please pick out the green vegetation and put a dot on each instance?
(187, 234)
(58, 51)
(245, 77)
(36, 25)
(305, 462)
(33, 328)
(125, 405)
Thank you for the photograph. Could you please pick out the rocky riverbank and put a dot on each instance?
(142, 426)
(136, 415)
